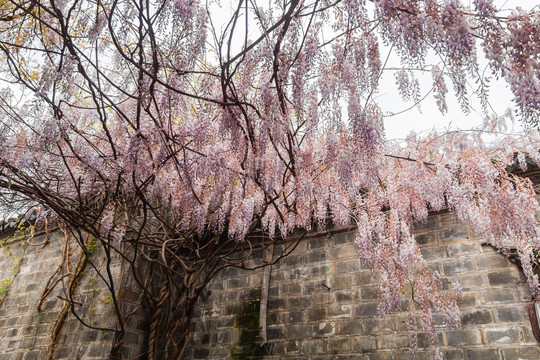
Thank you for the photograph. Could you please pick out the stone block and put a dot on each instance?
(298, 273)
(497, 278)
(463, 337)
(341, 282)
(378, 325)
(318, 242)
(476, 317)
(344, 252)
(463, 248)
(276, 303)
(324, 328)
(339, 346)
(322, 270)
(454, 266)
(487, 261)
(346, 266)
(454, 233)
(311, 347)
(482, 354)
(409, 355)
(345, 296)
(426, 238)
(435, 253)
(236, 283)
(501, 335)
(316, 314)
(343, 238)
(350, 327)
(522, 353)
(291, 288)
(497, 296)
(369, 293)
(456, 354)
(316, 257)
(470, 281)
(367, 309)
(512, 314)
(274, 333)
(293, 260)
(363, 344)
(527, 334)
(201, 353)
(340, 311)
(298, 302)
(394, 341)
(431, 223)
(292, 317)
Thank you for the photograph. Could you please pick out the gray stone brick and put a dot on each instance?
(341, 282)
(453, 233)
(347, 251)
(340, 311)
(342, 239)
(482, 354)
(316, 314)
(425, 238)
(471, 281)
(324, 328)
(492, 261)
(292, 317)
(368, 309)
(363, 343)
(409, 355)
(345, 296)
(453, 354)
(463, 248)
(497, 278)
(298, 301)
(353, 327)
(316, 257)
(463, 337)
(369, 293)
(318, 242)
(339, 346)
(459, 265)
(311, 347)
(522, 353)
(393, 341)
(322, 270)
(433, 253)
(378, 325)
(299, 273)
(501, 335)
(512, 314)
(497, 296)
(429, 224)
(476, 317)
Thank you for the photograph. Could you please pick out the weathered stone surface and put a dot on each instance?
(463, 337)
(501, 335)
(476, 317)
(322, 306)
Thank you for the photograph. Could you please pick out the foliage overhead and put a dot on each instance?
(177, 140)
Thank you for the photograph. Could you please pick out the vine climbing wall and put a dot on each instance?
(322, 304)
(37, 274)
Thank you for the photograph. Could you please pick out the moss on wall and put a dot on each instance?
(247, 322)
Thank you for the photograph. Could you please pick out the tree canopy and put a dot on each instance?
(181, 142)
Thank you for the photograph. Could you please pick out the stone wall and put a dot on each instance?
(323, 304)
(25, 332)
